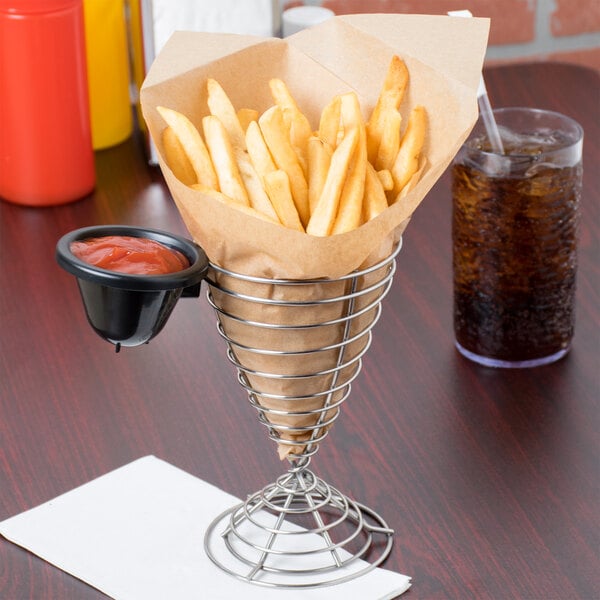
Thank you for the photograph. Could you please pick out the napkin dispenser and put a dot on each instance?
(152, 22)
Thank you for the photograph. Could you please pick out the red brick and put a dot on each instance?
(512, 21)
(573, 17)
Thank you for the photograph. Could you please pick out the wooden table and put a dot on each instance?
(490, 478)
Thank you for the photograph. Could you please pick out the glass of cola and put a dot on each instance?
(515, 230)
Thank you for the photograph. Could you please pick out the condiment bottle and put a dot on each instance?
(46, 154)
(108, 72)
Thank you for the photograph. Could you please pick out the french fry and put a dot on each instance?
(257, 195)
(223, 158)
(329, 124)
(407, 161)
(241, 207)
(390, 96)
(262, 163)
(258, 151)
(246, 116)
(387, 181)
(221, 106)
(319, 159)
(412, 182)
(375, 200)
(390, 140)
(322, 219)
(296, 122)
(193, 145)
(350, 209)
(278, 188)
(176, 157)
(285, 158)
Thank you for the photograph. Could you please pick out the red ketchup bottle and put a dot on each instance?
(46, 155)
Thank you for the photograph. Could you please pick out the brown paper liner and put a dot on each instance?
(288, 387)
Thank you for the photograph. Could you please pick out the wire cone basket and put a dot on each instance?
(297, 346)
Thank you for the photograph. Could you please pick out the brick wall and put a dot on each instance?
(562, 30)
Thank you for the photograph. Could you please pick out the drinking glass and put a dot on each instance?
(514, 231)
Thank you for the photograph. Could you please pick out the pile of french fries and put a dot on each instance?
(276, 167)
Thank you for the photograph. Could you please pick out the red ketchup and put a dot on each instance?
(128, 254)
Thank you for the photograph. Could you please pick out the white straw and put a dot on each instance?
(485, 108)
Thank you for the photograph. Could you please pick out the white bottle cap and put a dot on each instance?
(301, 17)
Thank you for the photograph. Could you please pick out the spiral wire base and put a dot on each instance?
(299, 531)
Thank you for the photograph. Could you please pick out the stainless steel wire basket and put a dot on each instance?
(297, 346)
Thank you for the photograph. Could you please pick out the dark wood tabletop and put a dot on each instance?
(490, 478)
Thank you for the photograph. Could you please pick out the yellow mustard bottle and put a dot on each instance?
(138, 60)
(108, 72)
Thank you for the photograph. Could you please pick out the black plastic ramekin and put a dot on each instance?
(126, 309)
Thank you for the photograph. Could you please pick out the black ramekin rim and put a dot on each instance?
(180, 279)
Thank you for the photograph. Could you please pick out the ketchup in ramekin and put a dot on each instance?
(129, 254)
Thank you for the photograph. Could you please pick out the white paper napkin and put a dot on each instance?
(137, 533)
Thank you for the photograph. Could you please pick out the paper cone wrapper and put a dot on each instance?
(444, 56)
